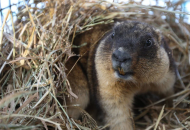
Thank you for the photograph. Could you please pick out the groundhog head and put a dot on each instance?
(137, 52)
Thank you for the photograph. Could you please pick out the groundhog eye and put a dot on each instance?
(113, 34)
(148, 43)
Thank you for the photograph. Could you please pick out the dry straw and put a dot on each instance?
(33, 57)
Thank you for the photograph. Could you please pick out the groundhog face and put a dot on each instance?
(138, 53)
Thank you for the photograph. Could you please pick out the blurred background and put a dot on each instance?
(16, 5)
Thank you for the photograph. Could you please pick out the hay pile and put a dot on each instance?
(32, 58)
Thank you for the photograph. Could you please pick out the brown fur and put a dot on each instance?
(79, 86)
(154, 69)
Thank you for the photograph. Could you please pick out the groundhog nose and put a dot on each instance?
(121, 56)
(121, 62)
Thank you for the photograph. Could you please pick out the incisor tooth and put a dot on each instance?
(121, 71)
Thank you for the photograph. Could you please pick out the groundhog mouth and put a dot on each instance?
(121, 73)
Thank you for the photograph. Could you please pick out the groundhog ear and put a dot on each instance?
(159, 34)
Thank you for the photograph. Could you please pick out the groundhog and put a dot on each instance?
(124, 59)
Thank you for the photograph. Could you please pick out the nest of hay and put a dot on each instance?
(34, 53)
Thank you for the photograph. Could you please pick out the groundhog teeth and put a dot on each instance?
(121, 71)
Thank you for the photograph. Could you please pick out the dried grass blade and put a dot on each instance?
(164, 99)
(62, 109)
(114, 14)
(36, 117)
(14, 44)
(11, 39)
(2, 29)
(26, 52)
(70, 91)
(31, 98)
(159, 118)
(30, 15)
(23, 58)
(8, 57)
(43, 122)
(182, 49)
(42, 98)
(24, 28)
(6, 100)
(153, 8)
